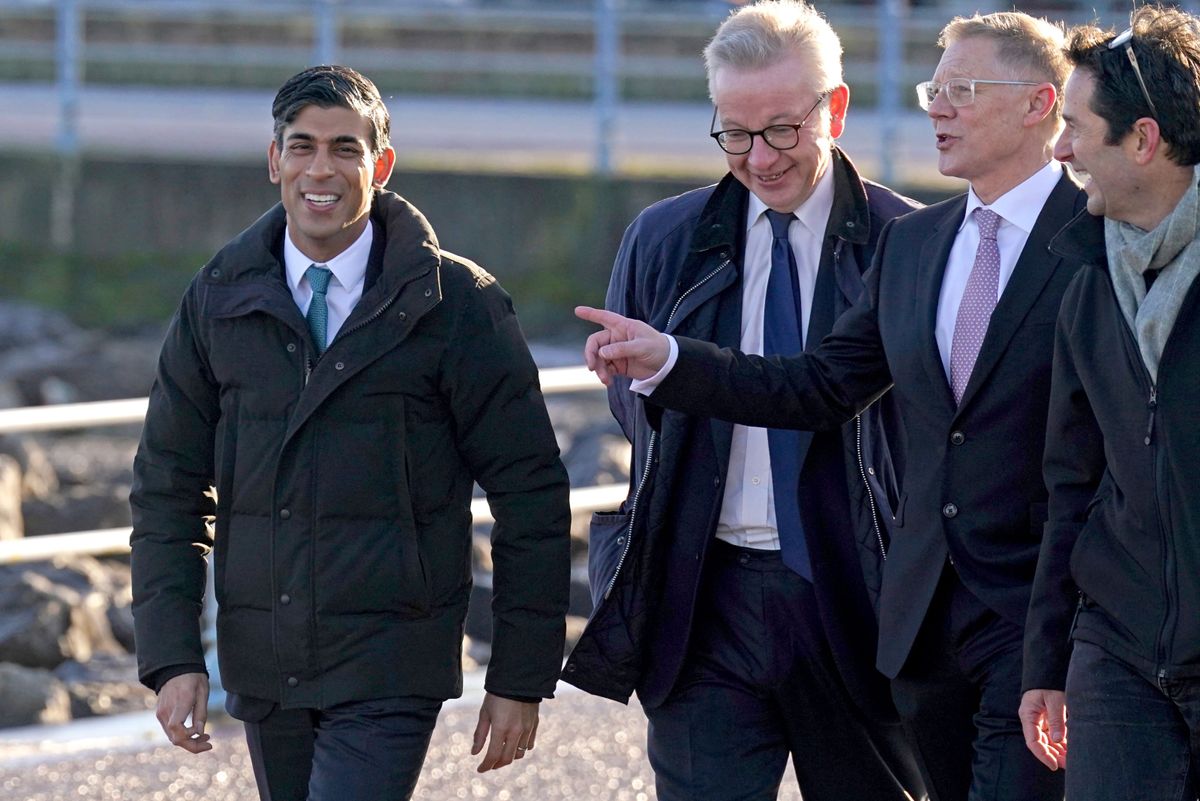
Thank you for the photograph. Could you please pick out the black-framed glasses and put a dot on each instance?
(1125, 39)
(959, 91)
(737, 142)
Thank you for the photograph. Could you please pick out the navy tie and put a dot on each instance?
(781, 335)
(318, 309)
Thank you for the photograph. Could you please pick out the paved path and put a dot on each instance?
(588, 748)
(429, 132)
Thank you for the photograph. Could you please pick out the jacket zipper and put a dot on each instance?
(637, 494)
(870, 494)
(375, 315)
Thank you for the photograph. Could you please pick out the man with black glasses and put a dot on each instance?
(1115, 616)
(958, 321)
(730, 587)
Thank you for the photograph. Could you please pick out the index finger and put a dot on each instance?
(608, 319)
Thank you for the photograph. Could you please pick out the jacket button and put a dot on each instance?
(285, 599)
(428, 292)
(215, 272)
(340, 366)
(285, 514)
(849, 223)
(870, 471)
(958, 438)
(291, 347)
(717, 481)
(403, 316)
(950, 510)
(293, 681)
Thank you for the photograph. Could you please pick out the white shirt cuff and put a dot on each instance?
(644, 386)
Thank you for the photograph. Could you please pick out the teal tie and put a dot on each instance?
(318, 309)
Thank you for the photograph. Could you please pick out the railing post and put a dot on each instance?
(890, 48)
(68, 43)
(325, 32)
(606, 81)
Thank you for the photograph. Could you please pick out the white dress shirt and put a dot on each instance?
(747, 515)
(349, 270)
(1018, 208)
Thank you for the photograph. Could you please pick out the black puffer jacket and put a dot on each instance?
(1123, 536)
(343, 547)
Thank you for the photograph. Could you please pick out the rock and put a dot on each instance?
(105, 685)
(12, 523)
(38, 476)
(78, 508)
(50, 613)
(29, 696)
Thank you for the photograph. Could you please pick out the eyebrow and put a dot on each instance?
(340, 139)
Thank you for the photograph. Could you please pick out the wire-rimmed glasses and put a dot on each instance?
(785, 136)
(1125, 39)
(959, 91)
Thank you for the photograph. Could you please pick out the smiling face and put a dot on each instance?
(753, 99)
(1103, 167)
(326, 175)
(985, 142)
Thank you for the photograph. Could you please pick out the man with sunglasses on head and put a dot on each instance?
(958, 321)
(730, 586)
(1115, 615)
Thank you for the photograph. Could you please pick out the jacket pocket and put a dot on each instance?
(608, 538)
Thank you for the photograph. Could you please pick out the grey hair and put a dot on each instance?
(763, 34)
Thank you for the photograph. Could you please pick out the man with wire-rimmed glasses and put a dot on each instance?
(958, 321)
(730, 586)
(1115, 615)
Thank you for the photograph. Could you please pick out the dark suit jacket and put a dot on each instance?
(972, 490)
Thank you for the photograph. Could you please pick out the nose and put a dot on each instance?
(761, 154)
(1062, 149)
(940, 107)
(321, 162)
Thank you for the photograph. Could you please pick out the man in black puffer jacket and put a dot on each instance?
(341, 382)
(1115, 613)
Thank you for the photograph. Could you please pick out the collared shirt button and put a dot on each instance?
(756, 481)
(293, 681)
(285, 514)
(291, 347)
(285, 599)
(949, 510)
(957, 438)
(340, 366)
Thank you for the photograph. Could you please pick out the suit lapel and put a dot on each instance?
(935, 252)
(1033, 270)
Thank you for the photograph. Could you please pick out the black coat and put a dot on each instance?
(971, 489)
(1124, 528)
(343, 526)
(679, 269)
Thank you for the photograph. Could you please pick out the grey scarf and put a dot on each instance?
(1173, 250)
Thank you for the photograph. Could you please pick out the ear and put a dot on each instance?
(273, 162)
(1041, 104)
(383, 168)
(839, 104)
(1144, 141)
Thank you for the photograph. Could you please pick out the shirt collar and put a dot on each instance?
(813, 212)
(1022, 204)
(349, 267)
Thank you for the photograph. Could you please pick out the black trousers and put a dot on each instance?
(958, 696)
(359, 751)
(759, 684)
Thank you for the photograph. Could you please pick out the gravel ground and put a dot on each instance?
(588, 748)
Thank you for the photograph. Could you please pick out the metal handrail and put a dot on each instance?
(554, 380)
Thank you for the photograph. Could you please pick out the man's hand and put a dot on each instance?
(624, 347)
(180, 698)
(513, 726)
(1043, 715)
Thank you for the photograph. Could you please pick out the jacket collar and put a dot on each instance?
(724, 216)
(1083, 239)
(410, 247)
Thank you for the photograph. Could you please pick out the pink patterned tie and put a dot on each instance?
(978, 301)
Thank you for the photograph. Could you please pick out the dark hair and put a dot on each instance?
(1166, 42)
(328, 86)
